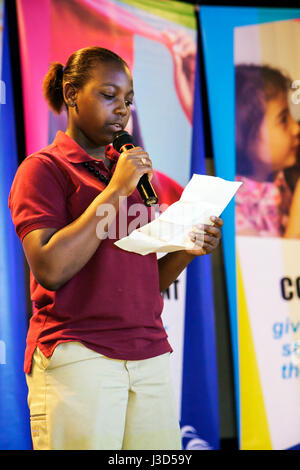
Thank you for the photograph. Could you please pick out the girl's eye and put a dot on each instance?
(111, 97)
(107, 96)
(284, 119)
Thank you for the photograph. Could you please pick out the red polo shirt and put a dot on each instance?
(113, 305)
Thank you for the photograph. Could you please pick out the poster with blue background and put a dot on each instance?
(261, 260)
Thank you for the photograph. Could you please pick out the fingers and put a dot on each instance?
(140, 160)
(131, 166)
(204, 240)
(210, 230)
(217, 221)
(206, 237)
(139, 157)
(181, 43)
(137, 153)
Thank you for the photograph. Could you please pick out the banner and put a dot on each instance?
(1, 42)
(255, 128)
(14, 415)
(158, 41)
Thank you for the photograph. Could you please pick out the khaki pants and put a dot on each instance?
(80, 399)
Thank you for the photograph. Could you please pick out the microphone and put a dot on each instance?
(123, 141)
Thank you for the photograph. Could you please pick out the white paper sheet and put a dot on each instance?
(204, 196)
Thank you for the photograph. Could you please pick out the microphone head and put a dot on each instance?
(122, 138)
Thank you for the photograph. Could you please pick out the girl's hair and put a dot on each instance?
(255, 85)
(77, 71)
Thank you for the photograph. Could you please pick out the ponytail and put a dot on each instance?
(53, 87)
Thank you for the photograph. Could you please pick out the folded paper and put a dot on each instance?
(203, 197)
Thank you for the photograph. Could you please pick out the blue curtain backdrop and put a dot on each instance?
(200, 405)
(14, 415)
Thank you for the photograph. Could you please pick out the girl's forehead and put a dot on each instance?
(112, 73)
(277, 103)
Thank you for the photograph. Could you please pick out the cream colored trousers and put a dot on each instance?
(82, 400)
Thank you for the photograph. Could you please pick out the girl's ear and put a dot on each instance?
(70, 94)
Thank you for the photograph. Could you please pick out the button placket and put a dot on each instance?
(96, 172)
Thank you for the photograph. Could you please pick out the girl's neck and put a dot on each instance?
(96, 152)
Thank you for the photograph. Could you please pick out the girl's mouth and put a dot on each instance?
(115, 126)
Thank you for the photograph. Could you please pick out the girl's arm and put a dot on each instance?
(293, 226)
(55, 256)
(172, 264)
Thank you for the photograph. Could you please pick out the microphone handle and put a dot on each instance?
(144, 186)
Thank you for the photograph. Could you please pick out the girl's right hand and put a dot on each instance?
(131, 166)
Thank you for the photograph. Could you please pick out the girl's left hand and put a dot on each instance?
(206, 238)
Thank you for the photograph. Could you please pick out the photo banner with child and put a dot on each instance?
(255, 118)
(14, 413)
(158, 40)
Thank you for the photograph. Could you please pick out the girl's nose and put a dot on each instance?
(121, 108)
(295, 127)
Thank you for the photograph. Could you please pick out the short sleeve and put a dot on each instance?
(38, 196)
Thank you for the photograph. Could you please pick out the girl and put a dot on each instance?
(267, 145)
(97, 355)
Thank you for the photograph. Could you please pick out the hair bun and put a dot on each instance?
(53, 86)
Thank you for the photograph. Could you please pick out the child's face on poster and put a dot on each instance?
(278, 138)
